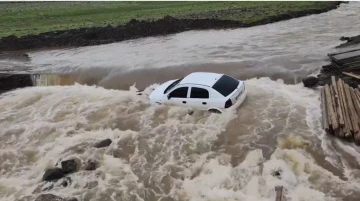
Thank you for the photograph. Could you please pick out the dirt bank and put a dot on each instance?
(137, 29)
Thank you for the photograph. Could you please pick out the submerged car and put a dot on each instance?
(202, 90)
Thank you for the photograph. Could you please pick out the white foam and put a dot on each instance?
(163, 151)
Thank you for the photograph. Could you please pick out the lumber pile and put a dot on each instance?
(340, 106)
(348, 61)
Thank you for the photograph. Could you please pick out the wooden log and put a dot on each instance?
(333, 121)
(348, 111)
(332, 96)
(352, 75)
(325, 121)
(339, 111)
(357, 93)
(347, 127)
(279, 193)
(356, 101)
(352, 112)
(357, 96)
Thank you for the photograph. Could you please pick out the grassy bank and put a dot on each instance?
(24, 18)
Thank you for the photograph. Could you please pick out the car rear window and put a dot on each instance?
(226, 85)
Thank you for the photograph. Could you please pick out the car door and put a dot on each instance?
(199, 97)
(178, 96)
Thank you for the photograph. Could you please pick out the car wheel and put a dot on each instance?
(215, 111)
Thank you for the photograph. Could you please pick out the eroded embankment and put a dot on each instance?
(137, 29)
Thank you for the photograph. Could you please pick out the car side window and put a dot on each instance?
(180, 92)
(199, 93)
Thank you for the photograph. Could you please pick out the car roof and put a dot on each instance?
(201, 78)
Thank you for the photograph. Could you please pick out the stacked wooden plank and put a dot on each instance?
(347, 61)
(340, 106)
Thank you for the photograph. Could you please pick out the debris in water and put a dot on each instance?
(279, 193)
(191, 112)
(277, 173)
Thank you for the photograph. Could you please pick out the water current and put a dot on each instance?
(164, 153)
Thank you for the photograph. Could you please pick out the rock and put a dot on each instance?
(14, 81)
(91, 165)
(53, 174)
(310, 81)
(49, 197)
(72, 199)
(91, 184)
(70, 166)
(343, 38)
(103, 143)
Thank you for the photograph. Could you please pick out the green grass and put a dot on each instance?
(23, 18)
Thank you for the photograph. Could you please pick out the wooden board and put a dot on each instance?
(279, 193)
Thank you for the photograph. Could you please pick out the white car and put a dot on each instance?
(202, 90)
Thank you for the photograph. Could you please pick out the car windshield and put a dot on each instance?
(172, 85)
(226, 85)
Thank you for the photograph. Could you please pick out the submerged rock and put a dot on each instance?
(66, 182)
(310, 81)
(277, 173)
(91, 165)
(53, 174)
(70, 166)
(43, 187)
(103, 143)
(91, 184)
(48, 197)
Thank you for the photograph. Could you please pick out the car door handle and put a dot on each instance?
(184, 101)
(204, 103)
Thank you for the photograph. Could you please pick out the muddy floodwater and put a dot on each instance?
(162, 153)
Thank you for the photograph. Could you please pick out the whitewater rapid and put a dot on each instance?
(164, 153)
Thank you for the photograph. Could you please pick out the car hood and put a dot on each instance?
(159, 91)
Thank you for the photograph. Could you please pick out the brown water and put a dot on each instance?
(163, 153)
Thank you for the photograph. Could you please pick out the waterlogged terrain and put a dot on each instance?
(163, 153)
